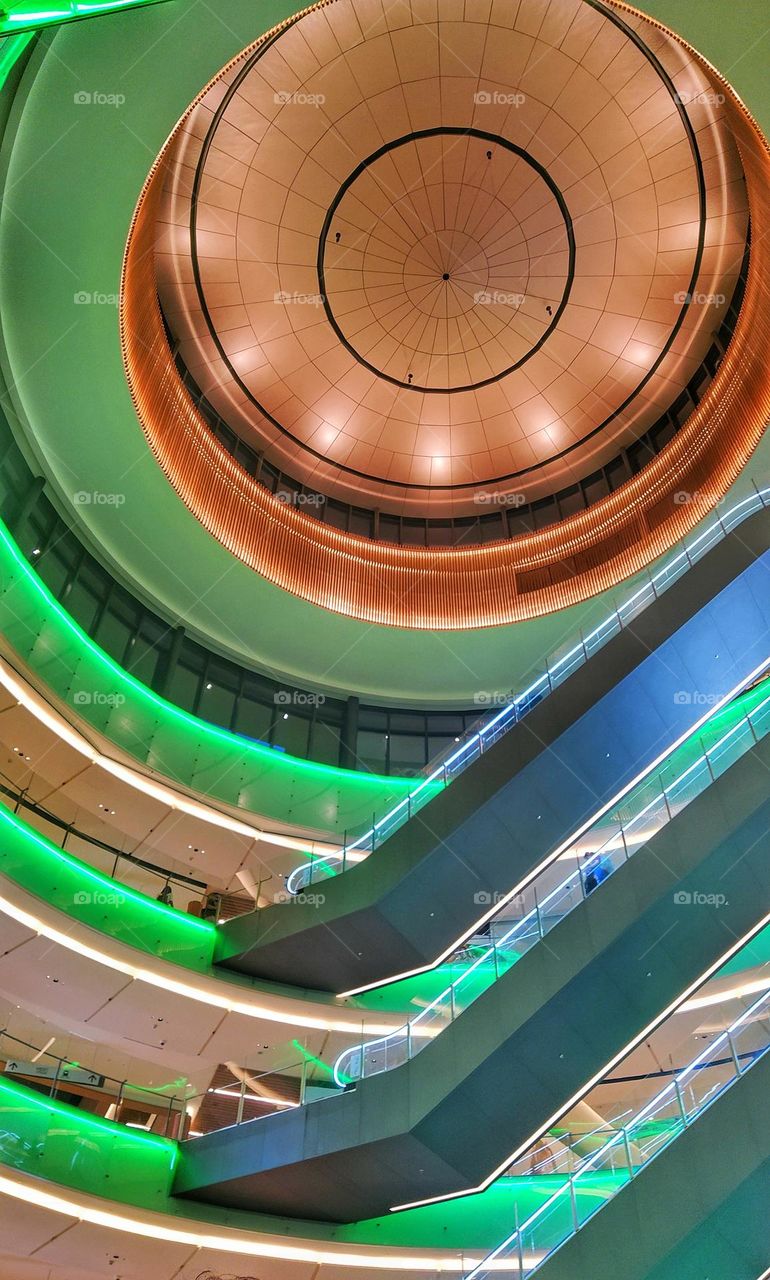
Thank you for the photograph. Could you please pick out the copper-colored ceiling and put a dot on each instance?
(415, 250)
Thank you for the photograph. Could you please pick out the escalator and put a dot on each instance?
(680, 1190)
(485, 835)
(450, 1116)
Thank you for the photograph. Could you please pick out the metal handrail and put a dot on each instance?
(22, 802)
(671, 1094)
(372, 1057)
(456, 759)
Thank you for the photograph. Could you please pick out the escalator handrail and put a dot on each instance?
(456, 759)
(575, 878)
(621, 1136)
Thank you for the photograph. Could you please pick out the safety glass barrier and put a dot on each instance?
(26, 16)
(627, 1149)
(559, 667)
(237, 1095)
(568, 881)
(128, 868)
(90, 896)
(160, 1111)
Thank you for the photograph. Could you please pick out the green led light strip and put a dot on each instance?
(92, 898)
(26, 16)
(12, 1093)
(249, 775)
(11, 49)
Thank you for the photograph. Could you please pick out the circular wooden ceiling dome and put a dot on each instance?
(408, 256)
(415, 253)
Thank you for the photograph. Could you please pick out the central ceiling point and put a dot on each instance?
(427, 202)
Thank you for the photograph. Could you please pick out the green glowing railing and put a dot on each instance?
(632, 1146)
(248, 775)
(93, 899)
(47, 1139)
(52, 1140)
(31, 15)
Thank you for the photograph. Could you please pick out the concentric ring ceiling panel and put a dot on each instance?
(414, 251)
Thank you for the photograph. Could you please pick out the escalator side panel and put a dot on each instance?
(420, 890)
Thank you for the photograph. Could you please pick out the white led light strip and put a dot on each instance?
(165, 795)
(675, 1006)
(748, 506)
(567, 844)
(152, 1227)
(414, 1029)
(217, 993)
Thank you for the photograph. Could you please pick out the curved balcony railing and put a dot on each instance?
(559, 667)
(248, 776)
(88, 895)
(238, 1094)
(125, 866)
(521, 923)
(158, 1111)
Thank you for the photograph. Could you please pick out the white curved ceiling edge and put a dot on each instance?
(163, 792)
